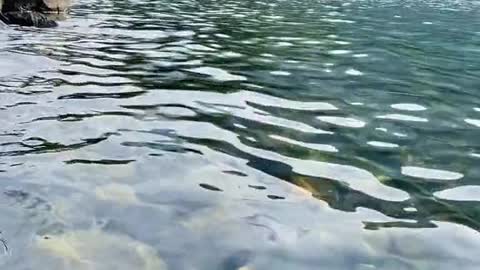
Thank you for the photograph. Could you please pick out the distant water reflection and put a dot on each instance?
(243, 135)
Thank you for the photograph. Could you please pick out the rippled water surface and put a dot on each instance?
(229, 134)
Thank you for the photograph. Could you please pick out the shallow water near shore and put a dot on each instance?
(243, 135)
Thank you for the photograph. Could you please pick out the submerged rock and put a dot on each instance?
(93, 249)
(32, 12)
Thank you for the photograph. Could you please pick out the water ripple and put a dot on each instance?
(248, 128)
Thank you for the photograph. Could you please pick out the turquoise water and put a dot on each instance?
(243, 135)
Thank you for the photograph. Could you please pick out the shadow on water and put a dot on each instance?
(242, 135)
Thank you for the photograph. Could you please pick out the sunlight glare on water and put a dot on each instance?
(235, 135)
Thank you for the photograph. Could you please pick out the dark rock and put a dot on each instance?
(27, 18)
(32, 12)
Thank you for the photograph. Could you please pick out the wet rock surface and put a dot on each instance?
(32, 12)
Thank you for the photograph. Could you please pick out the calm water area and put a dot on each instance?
(243, 135)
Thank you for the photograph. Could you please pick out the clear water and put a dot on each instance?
(243, 135)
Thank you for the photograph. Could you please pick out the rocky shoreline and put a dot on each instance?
(32, 12)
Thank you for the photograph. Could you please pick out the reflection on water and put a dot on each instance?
(243, 135)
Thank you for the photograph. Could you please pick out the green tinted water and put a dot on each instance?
(243, 135)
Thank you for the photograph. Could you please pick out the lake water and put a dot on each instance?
(235, 135)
